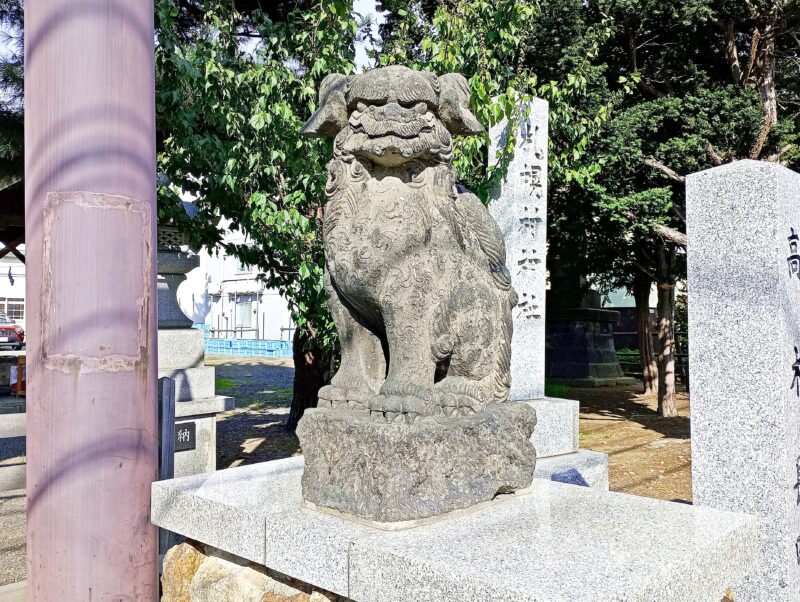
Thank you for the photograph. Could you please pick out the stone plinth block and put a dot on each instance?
(191, 383)
(180, 348)
(202, 414)
(519, 206)
(557, 426)
(744, 326)
(554, 543)
(205, 406)
(389, 472)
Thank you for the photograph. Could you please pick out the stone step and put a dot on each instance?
(14, 592)
(201, 407)
(191, 383)
(12, 476)
(584, 467)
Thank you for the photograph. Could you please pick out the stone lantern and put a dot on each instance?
(181, 356)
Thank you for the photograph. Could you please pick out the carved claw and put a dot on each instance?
(400, 409)
(456, 404)
(333, 396)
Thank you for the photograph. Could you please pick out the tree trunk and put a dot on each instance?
(311, 366)
(666, 338)
(641, 294)
(766, 87)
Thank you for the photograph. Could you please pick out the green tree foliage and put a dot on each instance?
(229, 115)
(231, 99)
(716, 81)
(511, 50)
(11, 116)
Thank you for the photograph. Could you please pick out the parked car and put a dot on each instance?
(11, 333)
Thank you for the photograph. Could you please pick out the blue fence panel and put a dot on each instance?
(249, 347)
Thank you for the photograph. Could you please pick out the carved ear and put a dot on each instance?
(454, 106)
(331, 116)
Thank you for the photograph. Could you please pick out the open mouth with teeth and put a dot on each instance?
(392, 135)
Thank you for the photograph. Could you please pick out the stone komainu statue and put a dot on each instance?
(415, 272)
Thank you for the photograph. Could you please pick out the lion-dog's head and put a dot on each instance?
(394, 115)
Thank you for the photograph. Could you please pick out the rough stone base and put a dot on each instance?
(194, 572)
(403, 472)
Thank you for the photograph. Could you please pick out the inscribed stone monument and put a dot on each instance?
(743, 223)
(414, 423)
(519, 206)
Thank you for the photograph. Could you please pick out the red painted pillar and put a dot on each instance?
(90, 243)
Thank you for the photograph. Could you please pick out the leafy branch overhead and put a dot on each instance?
(231, 100)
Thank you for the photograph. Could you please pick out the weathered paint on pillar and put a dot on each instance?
(90, 243)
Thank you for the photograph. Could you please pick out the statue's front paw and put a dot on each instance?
(454, 396)
(335, 396)
(400, 409)
(452, 403)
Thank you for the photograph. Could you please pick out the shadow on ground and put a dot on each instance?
(648, 455)
(256, 430)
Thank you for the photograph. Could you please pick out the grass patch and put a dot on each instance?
(556, 389)
(278, 397)
(223, 384)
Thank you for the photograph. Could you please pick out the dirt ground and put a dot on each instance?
(648, 455)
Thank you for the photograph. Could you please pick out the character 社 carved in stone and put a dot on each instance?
(415, 271)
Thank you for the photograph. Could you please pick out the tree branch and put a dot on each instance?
(776, 157)
(715, 158)
(751, 59)
(671, 234)
(670, 173)
(731, 52)
(766, 89)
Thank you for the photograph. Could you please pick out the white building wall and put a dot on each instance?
(12, 294)
(229, 298)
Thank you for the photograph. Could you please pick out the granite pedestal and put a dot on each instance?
(580, 348)
(744, 326)
(519, 206)
(554, 542)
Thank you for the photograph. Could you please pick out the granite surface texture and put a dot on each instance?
(191, 383)
(557, 426)
(203, 458)
(204, 406)
(584, 467)
(555, 542)
(180, 348)
(400, 472)
(744, 325)
(519, 206)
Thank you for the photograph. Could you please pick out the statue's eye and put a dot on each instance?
(356, 103)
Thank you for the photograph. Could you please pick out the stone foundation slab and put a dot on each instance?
(556, 542)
